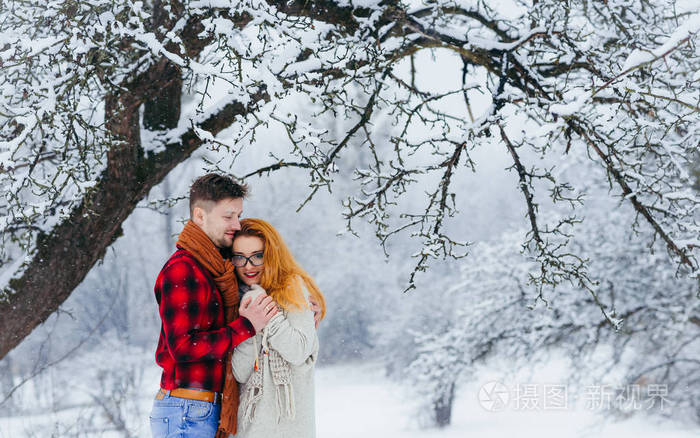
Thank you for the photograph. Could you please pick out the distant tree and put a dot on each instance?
(96, 108)
(488, 312)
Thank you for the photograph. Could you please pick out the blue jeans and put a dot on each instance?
(175, 417)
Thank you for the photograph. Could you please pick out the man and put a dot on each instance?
(197, 297)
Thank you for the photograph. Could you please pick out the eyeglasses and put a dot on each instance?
(240, 261)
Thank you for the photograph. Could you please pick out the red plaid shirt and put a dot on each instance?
(194, 340)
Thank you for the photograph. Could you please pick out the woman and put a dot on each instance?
(276, 367)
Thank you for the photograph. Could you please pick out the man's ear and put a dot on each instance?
(198, 214)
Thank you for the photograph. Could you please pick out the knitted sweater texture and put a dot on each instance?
(293, 335)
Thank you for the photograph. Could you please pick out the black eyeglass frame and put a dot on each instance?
(248, 259)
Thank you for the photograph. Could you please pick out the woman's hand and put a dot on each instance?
(258, 310)
(317, 311)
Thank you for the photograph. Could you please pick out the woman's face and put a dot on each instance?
(248, 252)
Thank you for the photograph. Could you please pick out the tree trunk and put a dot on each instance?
(442, 407)
(65, 256)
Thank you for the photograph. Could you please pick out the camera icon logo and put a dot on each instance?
(494, 396)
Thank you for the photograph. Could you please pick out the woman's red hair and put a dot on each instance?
(281, 275)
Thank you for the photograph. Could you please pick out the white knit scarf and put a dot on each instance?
(281, 371)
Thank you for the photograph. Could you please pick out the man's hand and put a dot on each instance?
(317, 311)
(258, 310)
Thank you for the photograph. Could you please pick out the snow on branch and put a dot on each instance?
(371, 96)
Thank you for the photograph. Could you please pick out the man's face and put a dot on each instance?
(220, 221)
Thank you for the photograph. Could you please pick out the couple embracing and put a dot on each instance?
(238, 338)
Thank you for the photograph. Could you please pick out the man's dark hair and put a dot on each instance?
(214, 187)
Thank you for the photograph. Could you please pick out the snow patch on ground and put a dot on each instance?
(354, 401)
(358, 401)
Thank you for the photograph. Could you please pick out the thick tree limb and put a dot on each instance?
(66, 255)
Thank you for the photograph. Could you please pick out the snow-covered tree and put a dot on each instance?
(491, 312)
(101, 99)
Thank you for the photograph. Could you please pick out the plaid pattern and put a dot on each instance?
(194, 340)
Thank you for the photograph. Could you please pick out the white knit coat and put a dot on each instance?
(293, 335)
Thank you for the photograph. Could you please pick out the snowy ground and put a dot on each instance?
(380, 409)
(357, 401)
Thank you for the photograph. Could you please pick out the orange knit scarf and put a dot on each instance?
(197, 243)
